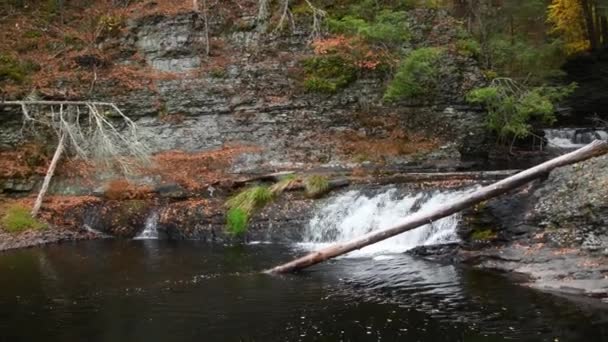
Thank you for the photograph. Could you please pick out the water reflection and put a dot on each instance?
(158, 291)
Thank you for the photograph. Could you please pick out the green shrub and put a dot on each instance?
(316, 186)
(328, 74)
(236, 221)
(468, 47)
(387, 27)
(516, 57)
(512, 107)
(18, 218)
(12, 70)
(418, 75)
(369, 8)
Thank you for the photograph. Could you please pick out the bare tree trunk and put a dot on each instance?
(206, 18)
(421, 218)
(590, 23)
(49, 175)
(604, 27)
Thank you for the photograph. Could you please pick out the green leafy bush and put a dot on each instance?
(516, 57)
(512, 107)
(369, 8)
(418, 75)
(18, 218)
(387, 27)
(468, 47)
(328, 74)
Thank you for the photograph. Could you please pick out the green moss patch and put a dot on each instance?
(483, 235)
(18, 218)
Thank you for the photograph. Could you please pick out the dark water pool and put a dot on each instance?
(186, 291)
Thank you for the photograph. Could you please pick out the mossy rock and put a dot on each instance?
(482, 235)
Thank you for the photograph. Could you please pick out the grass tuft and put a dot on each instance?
(18, 218)
(316, 186)
(250, 199)
(242, 205)
(236, 221)
(286, 183)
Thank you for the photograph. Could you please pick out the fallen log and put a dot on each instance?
(415, 177)
(270, 177)
(49, 176)
(421, 218)
(331, 185)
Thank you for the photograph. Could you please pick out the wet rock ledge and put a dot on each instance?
(552, 235)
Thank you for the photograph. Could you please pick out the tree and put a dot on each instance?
(264, 14)
(93, 131)
(512, 107)
(582, 23)
(205, 14)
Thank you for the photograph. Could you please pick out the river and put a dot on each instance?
(155, 290)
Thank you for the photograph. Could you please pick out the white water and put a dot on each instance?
(95, 231)
(569, 138)
(150, 231)
(353, 214)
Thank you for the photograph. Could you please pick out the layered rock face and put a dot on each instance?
(573, 205)
(249, 91)
(554, 231)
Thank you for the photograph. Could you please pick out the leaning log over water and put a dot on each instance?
(421, 218)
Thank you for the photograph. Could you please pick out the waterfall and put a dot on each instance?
(93, 231)
(355, 213)
(150, 231)
(570, 138)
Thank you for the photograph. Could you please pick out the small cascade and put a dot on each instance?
(150, 231)
(571, 138)
(93, 231)
(355, 213)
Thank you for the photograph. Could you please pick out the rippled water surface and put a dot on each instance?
(155, 290)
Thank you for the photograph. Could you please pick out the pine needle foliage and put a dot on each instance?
(417, 76)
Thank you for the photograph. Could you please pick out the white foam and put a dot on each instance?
(353, 214)
(150, 231)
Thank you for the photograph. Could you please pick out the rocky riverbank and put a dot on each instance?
(552, 234)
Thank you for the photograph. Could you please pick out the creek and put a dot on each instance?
(148, 289)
